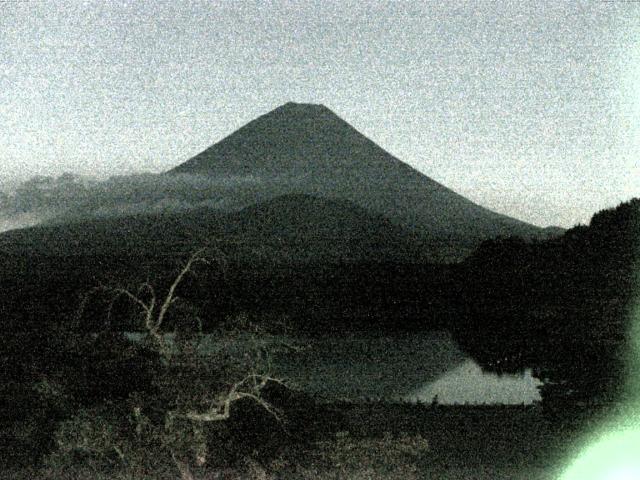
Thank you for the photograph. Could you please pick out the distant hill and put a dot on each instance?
(293, 252)
(318, 153)
(294, 228)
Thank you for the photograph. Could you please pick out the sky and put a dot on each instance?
(531, 109)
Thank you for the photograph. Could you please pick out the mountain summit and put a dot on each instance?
(308, 149)
(293, 138)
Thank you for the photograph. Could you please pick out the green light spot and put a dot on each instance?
(616, 456)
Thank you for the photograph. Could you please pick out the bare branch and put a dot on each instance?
(123, 291)
(221, 410)
(84, 301)
(147, 286)
(210, 416)
(170, 298)
(263, 403)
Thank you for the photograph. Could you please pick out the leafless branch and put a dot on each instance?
(197, 257)
(220, 409)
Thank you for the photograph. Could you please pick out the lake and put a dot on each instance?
(407, 367)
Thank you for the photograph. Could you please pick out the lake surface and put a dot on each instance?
(416, 367)
(406, 368)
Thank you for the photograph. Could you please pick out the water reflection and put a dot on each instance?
(405, 368)
(468, 383)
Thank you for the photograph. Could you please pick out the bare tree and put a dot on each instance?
(192, 399)
(155, 310)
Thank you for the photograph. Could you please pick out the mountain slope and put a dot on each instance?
(312, 228)
(318, 153)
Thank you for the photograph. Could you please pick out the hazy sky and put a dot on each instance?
(529, 108)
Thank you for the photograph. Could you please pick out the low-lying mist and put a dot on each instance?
(69, 197)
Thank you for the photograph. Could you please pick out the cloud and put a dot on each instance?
(14, 222)
(70, 197)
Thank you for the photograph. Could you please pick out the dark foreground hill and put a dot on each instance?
(311, 150)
